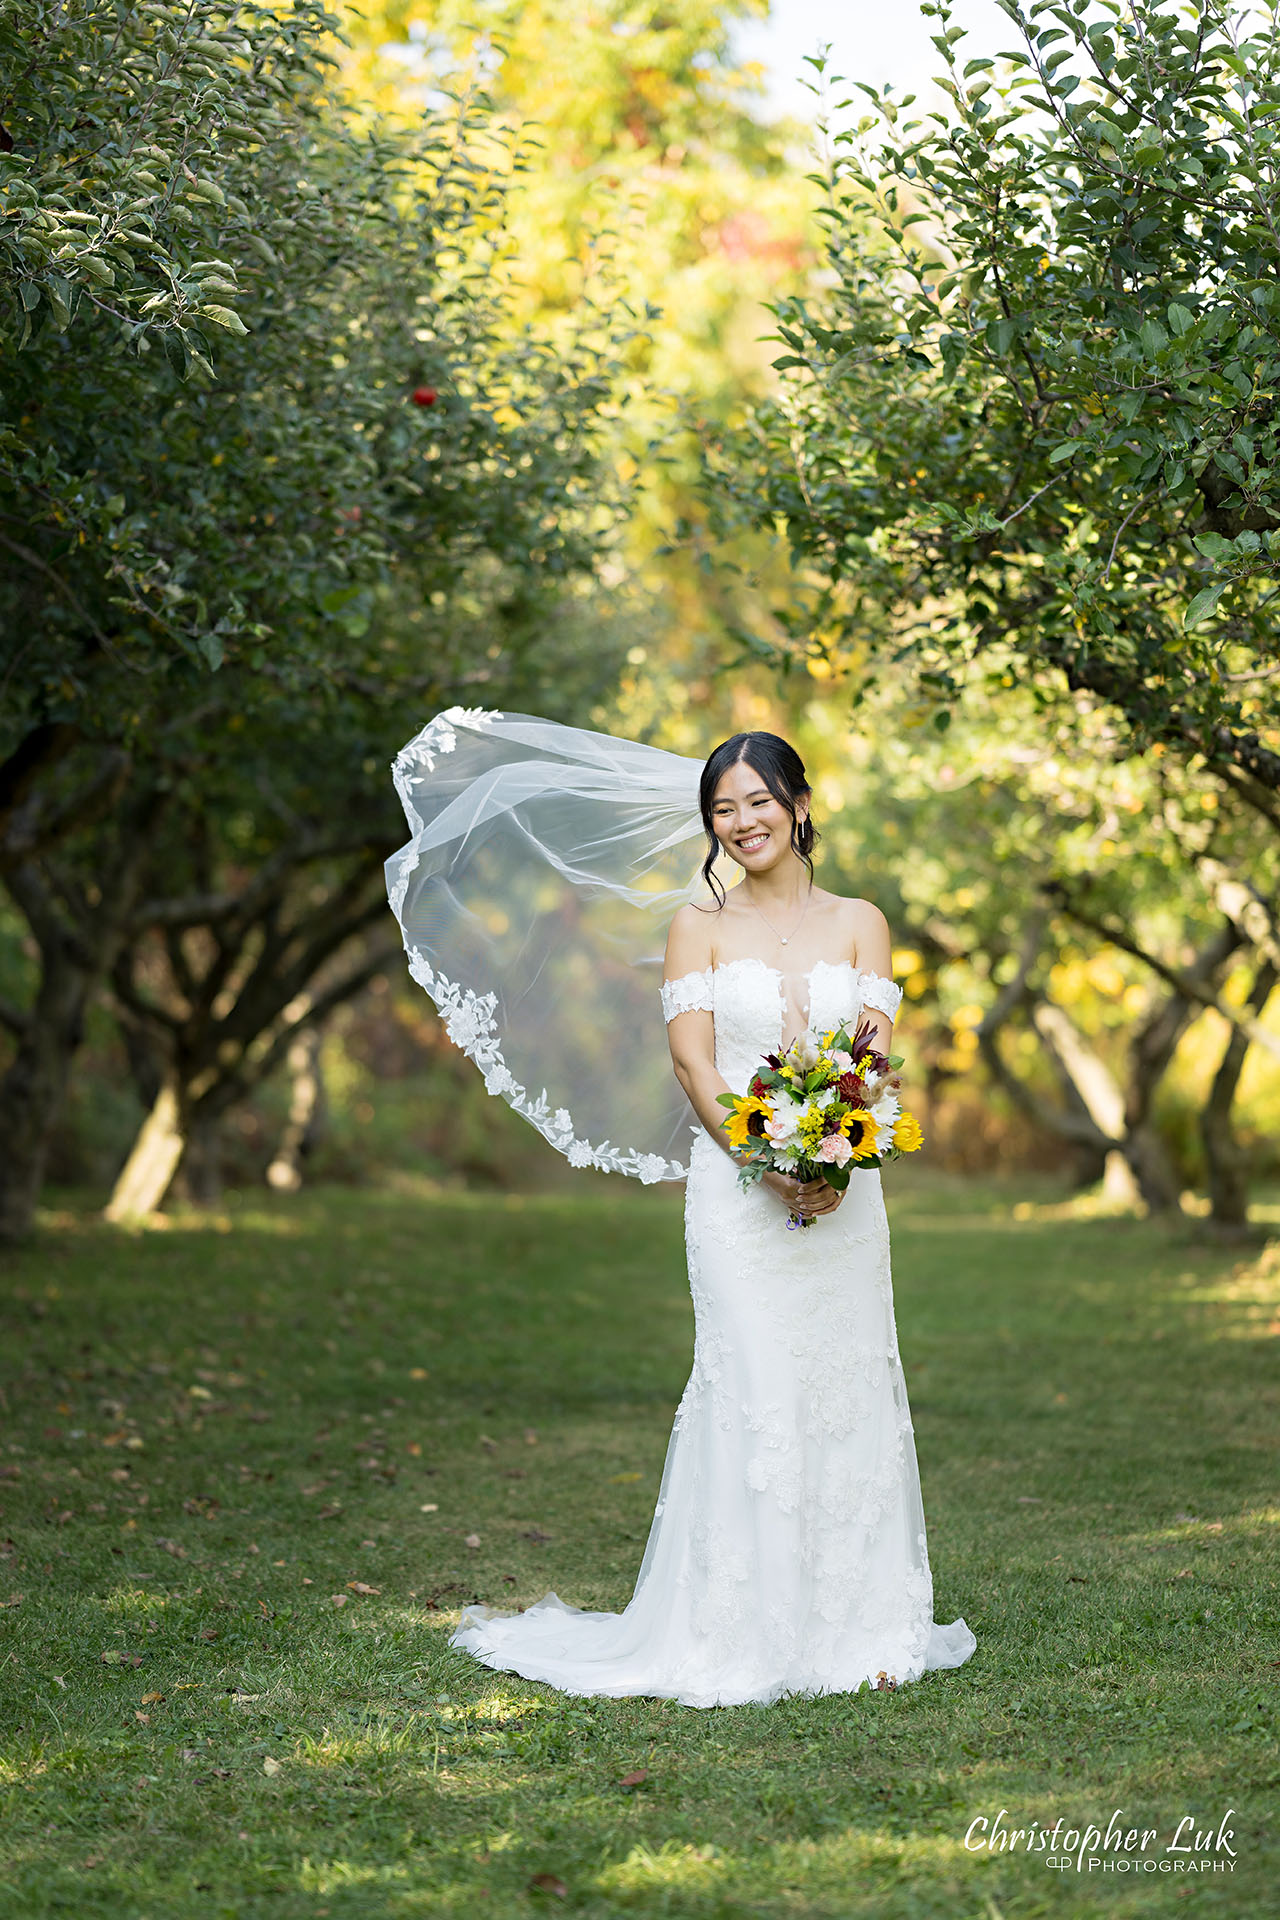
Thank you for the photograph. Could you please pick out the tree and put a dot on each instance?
(1034, 413)
(370, 492)
(1073, 918)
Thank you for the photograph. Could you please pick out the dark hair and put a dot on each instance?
(781, 769)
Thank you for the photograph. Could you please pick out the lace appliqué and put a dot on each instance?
(438, 736)
(470, 1022)
(691, 993)
(884, 995)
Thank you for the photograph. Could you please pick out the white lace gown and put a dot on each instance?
(787, 1552)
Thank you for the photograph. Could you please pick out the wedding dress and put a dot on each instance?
(787, 1552)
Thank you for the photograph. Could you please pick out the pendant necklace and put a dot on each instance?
(784, 937)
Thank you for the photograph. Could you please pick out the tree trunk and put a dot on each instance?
(34, 1088)
(305, 1113)
(144, 1179)
(201, 1164)
(1226, 1164)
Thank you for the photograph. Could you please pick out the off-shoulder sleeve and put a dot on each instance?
(882, 994)
(691, 993)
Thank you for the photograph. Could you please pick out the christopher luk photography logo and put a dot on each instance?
(1190, 1845)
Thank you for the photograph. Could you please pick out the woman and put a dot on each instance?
(788, 1551)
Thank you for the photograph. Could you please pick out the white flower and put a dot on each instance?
(562, 1122)
(780, 1127)
(499, 1080)
(885, 1111)
(651, 1167)
(580, 1154)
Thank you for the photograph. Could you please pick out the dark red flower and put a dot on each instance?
(425, 396)
(757, 1089)
(850, 1089)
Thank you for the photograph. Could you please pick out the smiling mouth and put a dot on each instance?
(756, 840)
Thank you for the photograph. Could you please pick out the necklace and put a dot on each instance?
(783, 938)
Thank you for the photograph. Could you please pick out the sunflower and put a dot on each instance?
(860, 1130)
(738, 1125)
(907, 1136)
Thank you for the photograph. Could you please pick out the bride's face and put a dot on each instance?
(753, 828)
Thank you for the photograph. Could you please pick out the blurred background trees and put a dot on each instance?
(358, 363)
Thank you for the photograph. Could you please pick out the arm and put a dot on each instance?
(873, 953)
(691, 1036)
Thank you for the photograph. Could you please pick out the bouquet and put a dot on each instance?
(826, 1106)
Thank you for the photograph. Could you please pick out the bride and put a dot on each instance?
(787, 1552)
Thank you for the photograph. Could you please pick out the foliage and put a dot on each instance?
(156, 525)
(1035, 409)
(650, 182)
(361, 1397)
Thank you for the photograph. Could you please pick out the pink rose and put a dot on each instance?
(835, 1150)
(841, 1061)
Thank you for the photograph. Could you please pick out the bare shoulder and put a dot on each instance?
(867, 933)
(689, 942)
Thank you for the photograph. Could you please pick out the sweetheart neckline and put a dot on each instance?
(750, 960)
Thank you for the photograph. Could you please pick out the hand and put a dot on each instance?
(808, 1198)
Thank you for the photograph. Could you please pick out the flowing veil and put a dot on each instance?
(543, 866)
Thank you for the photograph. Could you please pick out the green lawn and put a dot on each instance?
(215, 1433)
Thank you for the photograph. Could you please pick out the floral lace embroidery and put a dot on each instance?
(691, 993)
(438, 736)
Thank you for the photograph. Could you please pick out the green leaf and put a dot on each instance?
(224, 317)
(210, 647)
(1180, 318)
(1203, 604)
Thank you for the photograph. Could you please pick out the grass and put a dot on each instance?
(214, 1434)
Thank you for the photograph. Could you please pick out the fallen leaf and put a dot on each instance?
(429, 1506)
(270, 1766)
(15, 1600)
(418, 1373)
(548, 1883)
(623, 1479)
(152, 1699)
(338, 1599)
(171, 1546)
(209, 1633)
(472, 1540)
(93, 1860)
(1030, 1500)
(330, 1513)
(362, 1586)
(143, 1719)
(537, 1535)
(490, 1446)
(530, 1437)
(317, 1486)
(634, 1779)
(415, 1448)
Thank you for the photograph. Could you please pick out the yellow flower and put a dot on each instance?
(907, 1136)
(737, 1126)
(861, 1130)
